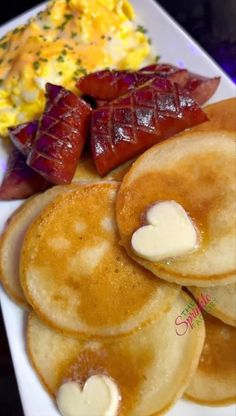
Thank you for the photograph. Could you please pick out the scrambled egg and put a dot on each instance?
(65, 41)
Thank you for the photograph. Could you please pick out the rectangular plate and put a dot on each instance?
(175, 47)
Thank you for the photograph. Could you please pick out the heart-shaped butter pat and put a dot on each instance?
(169, 233)
(99, 397)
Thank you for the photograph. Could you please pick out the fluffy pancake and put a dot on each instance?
(223, 300)
(12, 240)
(86, 170)
(151, 367)
(222, 115)
(76, 276)
(214, 382)
(198, 171)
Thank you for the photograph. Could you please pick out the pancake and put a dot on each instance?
(214, 382)
(86, 170)
(222, 115)
(197, 171)
(151, 367)
(76, 276)
(223, 301)
(12, 240)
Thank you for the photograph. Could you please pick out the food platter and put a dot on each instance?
(176, 47)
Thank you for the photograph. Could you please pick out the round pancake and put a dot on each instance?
(86, 170)
(12, 239)
(222, 115)
(198, 171)
(214, 382)
(76, 276)
(151, 367)
(223, 301)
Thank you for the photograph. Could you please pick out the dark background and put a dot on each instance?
(213, 24)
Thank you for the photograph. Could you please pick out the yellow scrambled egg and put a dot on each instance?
(65, 41)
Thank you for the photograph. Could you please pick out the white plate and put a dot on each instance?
(176, 47)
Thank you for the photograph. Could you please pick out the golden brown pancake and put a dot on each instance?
(151, 367)
(222, 301)
(198, 171)
(76, 276)
(86, 170)
(222, 115)
(214, 382)
(12, 240)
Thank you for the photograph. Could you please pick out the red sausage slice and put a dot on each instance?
(171, 72)
(61, 135)
(23, 135)
(20, 180)
(201, 88)
(107, 85)
(133, 123)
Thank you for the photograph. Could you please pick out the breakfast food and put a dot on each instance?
(214, 382)
(60, 44)
(134, 122)
(197, 171)
(224, 301)
(75, 275)
(20, 181)
(12, 240)
(61, 135)
(23, 135)
(86, 170)
(168, 232)
(221, 115)
(107, 336)
(108, 85)
(151, 368)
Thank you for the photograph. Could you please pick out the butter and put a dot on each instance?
(98, 397)
(169, 232)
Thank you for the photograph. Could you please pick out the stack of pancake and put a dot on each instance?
(97, 308)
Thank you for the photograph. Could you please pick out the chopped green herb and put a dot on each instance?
(37, 53)
(78, 62)
(16, 30)
(63, 52)
(149, 41)
(73, 34)
(60, 73)
(4, 45)
(62, 26)
(60, 58)
(157, 58)
(45, 27)
(68, 17)
(1, 82)
(109, 38)
(36, 65)
(141, 29)
(43, 59)
(80, 71)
